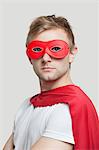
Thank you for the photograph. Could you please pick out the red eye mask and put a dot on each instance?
(54, 48)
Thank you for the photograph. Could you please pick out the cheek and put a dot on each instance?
(63, 64)
(37, 66)
(35, 62)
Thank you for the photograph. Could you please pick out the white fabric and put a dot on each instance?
(51, 121)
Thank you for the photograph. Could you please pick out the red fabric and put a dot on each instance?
(85, 121)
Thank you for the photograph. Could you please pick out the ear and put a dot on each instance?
(72, 54)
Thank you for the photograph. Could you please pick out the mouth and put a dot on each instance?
(47, 68)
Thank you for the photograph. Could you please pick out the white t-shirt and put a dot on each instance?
(32, 123)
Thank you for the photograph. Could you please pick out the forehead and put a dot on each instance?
(52, 34)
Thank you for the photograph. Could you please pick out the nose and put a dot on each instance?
(46, 58)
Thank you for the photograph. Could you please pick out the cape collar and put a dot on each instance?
(54, 96)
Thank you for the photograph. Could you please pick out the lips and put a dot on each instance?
(47, 68)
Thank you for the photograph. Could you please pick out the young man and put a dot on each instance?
(61, 116)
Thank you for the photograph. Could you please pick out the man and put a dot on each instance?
(61, 116)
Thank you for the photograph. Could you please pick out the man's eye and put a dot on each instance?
(56, 49)
(37, 49)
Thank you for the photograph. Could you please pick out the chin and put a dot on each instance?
(48, 78)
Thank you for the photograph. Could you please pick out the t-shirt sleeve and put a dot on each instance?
(59, 124)
(19, 112)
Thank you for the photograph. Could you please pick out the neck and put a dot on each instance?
(48, 85)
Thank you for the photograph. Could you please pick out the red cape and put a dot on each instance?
(85, 121)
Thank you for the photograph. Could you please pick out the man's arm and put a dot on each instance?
(9, 144)
(51, 144)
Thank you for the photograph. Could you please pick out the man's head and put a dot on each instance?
(45, 31)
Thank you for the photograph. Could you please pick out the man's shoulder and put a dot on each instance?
(25, 103)
(81, 101)
(81, 96)
(22, 108)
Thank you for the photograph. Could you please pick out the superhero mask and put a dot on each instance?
(54, 48)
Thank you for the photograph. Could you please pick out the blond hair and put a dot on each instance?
(43, 23)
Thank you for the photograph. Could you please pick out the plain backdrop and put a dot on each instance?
(17, 79)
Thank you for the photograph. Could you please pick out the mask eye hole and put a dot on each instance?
(56, 48)
(36, 49)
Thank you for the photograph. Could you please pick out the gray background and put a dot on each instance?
(17, 79)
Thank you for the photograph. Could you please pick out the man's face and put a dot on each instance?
(48, 68)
